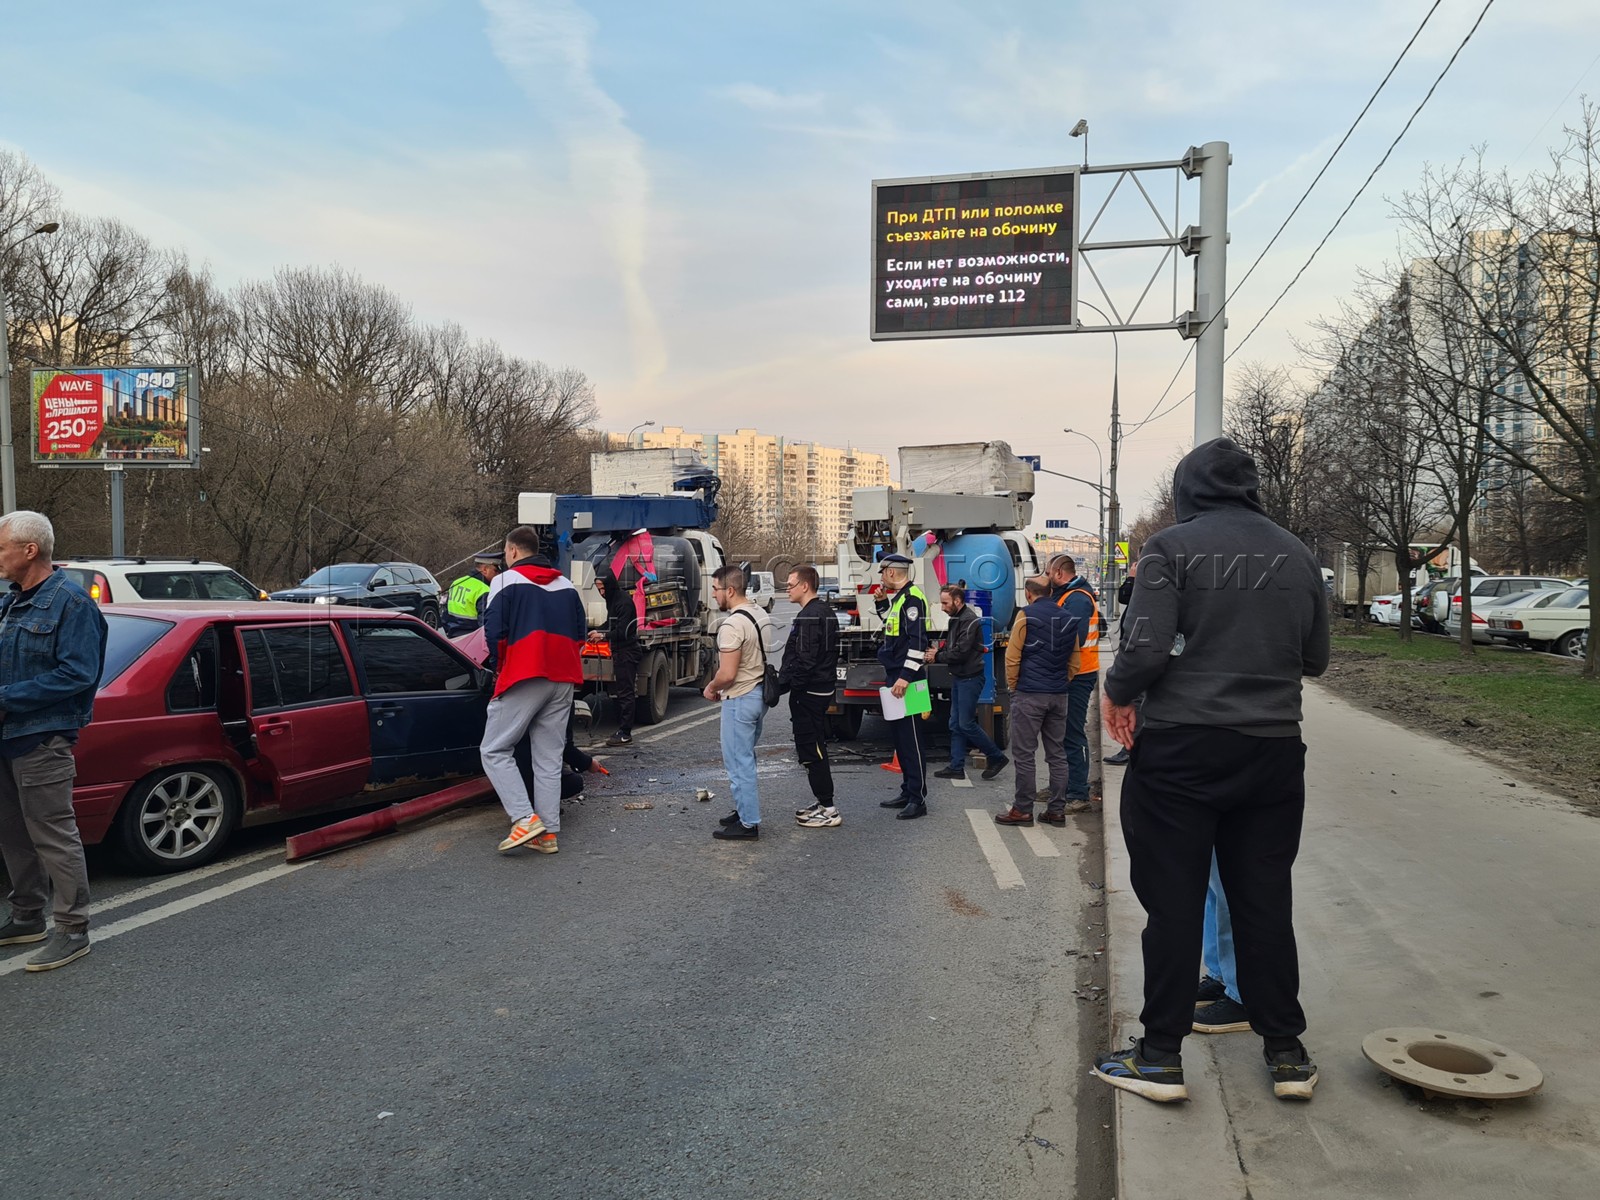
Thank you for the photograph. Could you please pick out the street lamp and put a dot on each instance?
(635, 429)
(8, 460)
(1105, 566)
(1113, 509)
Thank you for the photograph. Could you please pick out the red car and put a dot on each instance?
(212, 716)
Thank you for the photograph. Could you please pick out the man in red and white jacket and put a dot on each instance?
(534, 626)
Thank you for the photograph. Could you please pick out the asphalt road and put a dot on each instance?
(855, 1012)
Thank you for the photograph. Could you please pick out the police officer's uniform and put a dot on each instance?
(467, 599)
(905, 643)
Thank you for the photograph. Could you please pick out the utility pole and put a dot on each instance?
(1210, 292)
(8, 458)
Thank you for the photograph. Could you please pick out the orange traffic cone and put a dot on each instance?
(892, 765)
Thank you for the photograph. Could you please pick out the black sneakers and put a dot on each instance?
(1292, 1071)
(950, 773)
(737, 832)
(995, 767)
(1156, 1077)
(1221, 1016)
(1210, 989)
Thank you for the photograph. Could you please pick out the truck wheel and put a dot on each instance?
(847, 722)
(651, 707)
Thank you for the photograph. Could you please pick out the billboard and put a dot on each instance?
(973, 255)
(97, 416)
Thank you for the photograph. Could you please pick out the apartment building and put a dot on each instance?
(780, 472)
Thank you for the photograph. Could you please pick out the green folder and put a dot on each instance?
(918, 699)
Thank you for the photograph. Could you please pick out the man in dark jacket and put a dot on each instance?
(1228, 617)
(963, 652)
(1039, 655)
(808, 674)
(622, 632)
(52, 649)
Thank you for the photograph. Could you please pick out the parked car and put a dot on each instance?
(212, 716)
(398, 585)
(1559, 622)
(1385, 610)
(1486, 589)
(1480, 620)
(141, 580)
(1422, 602)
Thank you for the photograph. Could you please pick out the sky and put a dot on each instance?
(674, 198)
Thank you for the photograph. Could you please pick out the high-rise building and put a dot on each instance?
(780, 472)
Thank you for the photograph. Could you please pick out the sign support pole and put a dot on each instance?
(8, 461)
(1211, 290)
(116, 474)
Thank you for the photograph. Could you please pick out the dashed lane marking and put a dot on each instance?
(656, 737)
(1006, 875)
(105, 933)
(1043, 846)
(962, 782)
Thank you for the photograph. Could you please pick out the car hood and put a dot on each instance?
(343, 591)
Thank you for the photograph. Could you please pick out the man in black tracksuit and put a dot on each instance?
(622, 632)
(1228, 615)
(808, 674)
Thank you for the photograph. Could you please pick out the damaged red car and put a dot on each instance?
(214, 716)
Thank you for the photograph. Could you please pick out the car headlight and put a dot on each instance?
(324, 599)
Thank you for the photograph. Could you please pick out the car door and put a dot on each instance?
(425, 710)
(308, 725)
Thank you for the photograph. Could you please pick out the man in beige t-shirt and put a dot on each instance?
(744, 632)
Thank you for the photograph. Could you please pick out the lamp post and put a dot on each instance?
(635, 429)
(1105, 566)
(1113, 509)
(8, 459)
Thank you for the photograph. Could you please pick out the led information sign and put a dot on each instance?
(970, 255)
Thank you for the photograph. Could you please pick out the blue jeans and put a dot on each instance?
(1217, 951)
(964, 727)
(1078, 693)
(741, 730)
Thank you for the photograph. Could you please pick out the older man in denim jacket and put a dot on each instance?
(52, 646)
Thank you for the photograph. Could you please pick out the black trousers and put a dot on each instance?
(1189, 790)
(624, 685)
(808, 715)
(910, 744)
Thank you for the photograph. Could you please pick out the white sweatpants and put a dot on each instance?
(538, 708)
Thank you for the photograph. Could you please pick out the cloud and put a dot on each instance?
(546, 46)
(763, 99)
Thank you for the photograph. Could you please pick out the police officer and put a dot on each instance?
(905, 642)
(468, 595)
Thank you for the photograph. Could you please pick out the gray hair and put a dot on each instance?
(24, 526)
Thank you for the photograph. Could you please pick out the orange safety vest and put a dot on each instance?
(1088, 655)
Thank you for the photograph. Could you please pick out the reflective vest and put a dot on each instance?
(891, 618)
(1088, 655)
(464, 596)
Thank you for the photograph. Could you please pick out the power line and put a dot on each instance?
(1372, 175)
(1304, 196)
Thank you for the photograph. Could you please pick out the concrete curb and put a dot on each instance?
(1163, 1151)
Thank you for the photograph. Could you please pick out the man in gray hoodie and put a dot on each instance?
(1228, 616)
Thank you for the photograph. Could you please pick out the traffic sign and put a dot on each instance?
(1031, 459)
(1057, 523)
(1122, 554)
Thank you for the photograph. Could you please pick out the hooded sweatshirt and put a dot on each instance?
(1228, 611)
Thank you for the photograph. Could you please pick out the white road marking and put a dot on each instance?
(962, 782)
(1043, 847)
(183, 880)
(1006, 875)
(669, 722)
(140, 920)
(656, 737)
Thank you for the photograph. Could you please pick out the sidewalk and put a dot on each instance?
(1428, 891)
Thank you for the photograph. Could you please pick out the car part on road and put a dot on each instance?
(385, 820)
(1452, 1064)
(179, 817)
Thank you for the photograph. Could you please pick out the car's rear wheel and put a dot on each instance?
(178, 818)
(430, 615)
(1570, 645)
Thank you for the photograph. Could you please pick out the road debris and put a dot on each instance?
(638, 806)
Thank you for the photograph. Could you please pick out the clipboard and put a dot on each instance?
(917, 700)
